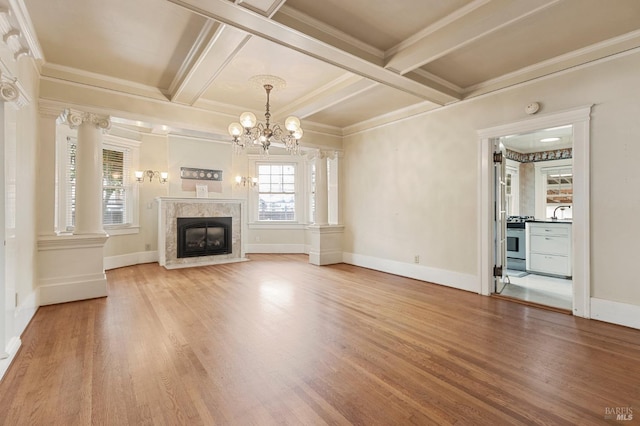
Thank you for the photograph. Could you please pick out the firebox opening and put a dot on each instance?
(203, 236)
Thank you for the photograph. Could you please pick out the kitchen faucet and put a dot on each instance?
(554, 217)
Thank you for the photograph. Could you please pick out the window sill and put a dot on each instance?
(277, 225)
(121, 230)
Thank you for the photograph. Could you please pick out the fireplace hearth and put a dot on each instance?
(203, 236)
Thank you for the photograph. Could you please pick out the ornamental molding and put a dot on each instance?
(322, 154)
(75, 118)
(17, 30)
(11, 91)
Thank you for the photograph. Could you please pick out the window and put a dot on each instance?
(119, 196)
(276, 192)
(115, 166)
(554, 189)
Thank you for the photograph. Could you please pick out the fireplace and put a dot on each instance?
(203, 236)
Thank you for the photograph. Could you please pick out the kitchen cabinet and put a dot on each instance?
(548, 248)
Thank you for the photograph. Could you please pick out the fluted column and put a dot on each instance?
(321, 190)
(88, 214)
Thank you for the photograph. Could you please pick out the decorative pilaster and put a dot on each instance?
(325, 240)
(88, 219)
(321, 190)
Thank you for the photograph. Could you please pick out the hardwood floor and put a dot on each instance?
(279, 341)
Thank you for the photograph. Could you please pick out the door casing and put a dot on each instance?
(579, 118)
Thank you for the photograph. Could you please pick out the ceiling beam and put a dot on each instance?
(218, 44)
(326, 96)
(253, 23)
(477, 22)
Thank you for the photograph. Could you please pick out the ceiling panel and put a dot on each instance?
(144, 41)
(379, 23)
(557, 30)
(302, 74)
(367, 105)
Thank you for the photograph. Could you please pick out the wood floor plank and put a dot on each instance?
(279, 341)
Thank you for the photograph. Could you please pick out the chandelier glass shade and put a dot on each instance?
(250, 132)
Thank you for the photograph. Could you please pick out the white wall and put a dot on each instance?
(18, 280)
(411, 187)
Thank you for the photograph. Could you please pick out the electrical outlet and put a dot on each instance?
(416, 259)
(257, 238)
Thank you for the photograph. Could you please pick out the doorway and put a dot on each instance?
(536, 176)
(489, 257)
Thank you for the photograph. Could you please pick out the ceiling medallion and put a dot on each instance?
(250, 132)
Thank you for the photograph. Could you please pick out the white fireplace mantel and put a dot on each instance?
(171, 208)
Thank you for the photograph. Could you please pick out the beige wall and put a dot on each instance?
(411, 188)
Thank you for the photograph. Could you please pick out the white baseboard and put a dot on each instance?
(615, 312)
(25, 312)
(130, 259)
(275, 248)
(9, 355)
(457, 280)
(325, 258)
(70, 289)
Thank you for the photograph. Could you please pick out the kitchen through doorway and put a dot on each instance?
(492, 224)
(534, 215)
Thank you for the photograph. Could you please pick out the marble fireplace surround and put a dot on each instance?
(171, 208)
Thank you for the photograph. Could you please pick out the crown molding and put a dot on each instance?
(87, 78)
(392, 117)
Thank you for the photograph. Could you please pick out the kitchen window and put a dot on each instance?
(555, 195)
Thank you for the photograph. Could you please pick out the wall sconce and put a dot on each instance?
(162, 176)
(246, 181)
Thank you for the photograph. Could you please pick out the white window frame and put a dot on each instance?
(109, 142)
(541, 169)
(301, 194)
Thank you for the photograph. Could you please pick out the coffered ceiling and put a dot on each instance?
(347, 64)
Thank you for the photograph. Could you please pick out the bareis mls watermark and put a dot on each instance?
(618, 413)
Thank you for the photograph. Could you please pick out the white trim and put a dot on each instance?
(72, 288)
(277, 225)
(9, 355)
(615, 312)
(436, 26)
(579, 118)
(25, 312)
(130, 259)
(276, 248)
(121, 229)
(331, 31)
(457, 280)
(27, 29)
(562, 63)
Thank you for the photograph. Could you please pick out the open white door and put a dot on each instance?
(500, 217)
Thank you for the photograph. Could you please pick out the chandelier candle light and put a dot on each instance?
(250, 132)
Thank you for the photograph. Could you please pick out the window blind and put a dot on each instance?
(115, 185)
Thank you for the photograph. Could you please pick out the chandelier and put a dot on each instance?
(250, 132)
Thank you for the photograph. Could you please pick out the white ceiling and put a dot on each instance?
(540, 140)
(345, 62)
